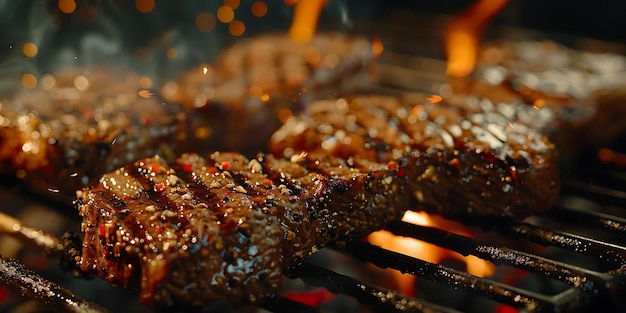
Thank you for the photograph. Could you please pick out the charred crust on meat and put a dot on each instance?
(472, 158)
(248, 221)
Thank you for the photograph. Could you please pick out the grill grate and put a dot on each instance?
(587, 288)
(584, 226)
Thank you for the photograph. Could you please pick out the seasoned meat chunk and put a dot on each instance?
(226, 227)
(81, 124)
(476, 158)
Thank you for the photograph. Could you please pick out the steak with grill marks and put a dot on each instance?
(226, 228)
(461, 158)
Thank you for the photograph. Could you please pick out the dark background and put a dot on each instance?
(601, 19)
(120, 26)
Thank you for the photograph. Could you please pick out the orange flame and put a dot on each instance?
(377, 47)
(463, 33)
(305, 18)
(427, 251)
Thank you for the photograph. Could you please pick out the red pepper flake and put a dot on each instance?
(212, 170)
(4, 295)
(102, 229)
(147, 121)
(160, 187)
(392, 165)
(126, 197)
(267, 182)
(187, 168)
(158, 230)
(153, 167)
(225, 165)
(402, 171)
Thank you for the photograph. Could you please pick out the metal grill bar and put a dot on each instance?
(591, 218)
(611, 255)
(15, 275)
(569, 274)
(380, 299)
(513, 296)
(599, 194)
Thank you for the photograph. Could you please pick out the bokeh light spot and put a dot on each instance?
(237, 28)
(233, 4)
(67, 6)
(144, 6)
(29, 81)
(30, 49)
(205, 21)
(225, 14)
(259, 8)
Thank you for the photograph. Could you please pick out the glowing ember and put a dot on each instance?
(29, 81)
(236, 28)
(259, 8)
(377, 47)
(145, 93)
(609, 156)
(305, 18)
(30, 50)
(463, 33)
(144, 6)
(205, 21)
(435, 98)
(67, 6)
(225, 14)
(311, 298)
(427, 251)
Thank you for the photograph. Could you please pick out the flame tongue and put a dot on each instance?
(305, 18)
(463, 33)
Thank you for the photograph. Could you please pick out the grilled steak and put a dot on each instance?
(79, 125)
(584, 90)
(254, 79)
(475, 158)
(225, 227)
(201, 230)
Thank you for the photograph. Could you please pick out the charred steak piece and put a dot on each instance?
(226, 227)
(477, 158)
(80, 124)
(586, 91)
(254, 79)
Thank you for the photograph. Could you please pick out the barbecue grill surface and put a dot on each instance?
(571, 259)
